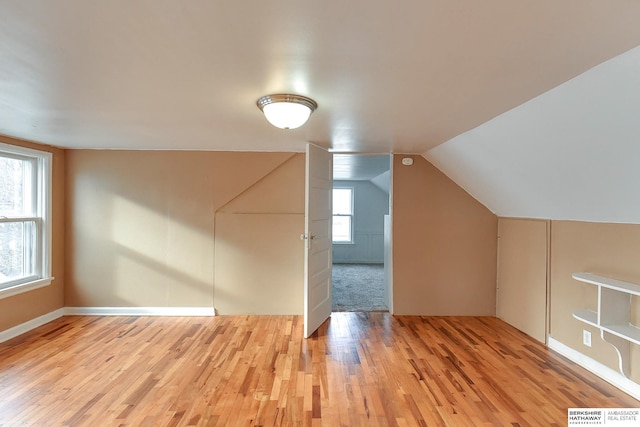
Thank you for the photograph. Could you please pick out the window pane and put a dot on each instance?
(342, 229)
(15, 187)
(17, 259)
(342, 201)
(25, 228)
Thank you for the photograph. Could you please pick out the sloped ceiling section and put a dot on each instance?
(383, 181)
(572, 153)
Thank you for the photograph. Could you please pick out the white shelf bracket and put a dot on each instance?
(621, 346)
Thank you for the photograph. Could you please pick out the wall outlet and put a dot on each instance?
(586, 338)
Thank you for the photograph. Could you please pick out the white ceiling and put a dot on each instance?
(362, 167)
(359, 167)
(388, 76)
(571, 153)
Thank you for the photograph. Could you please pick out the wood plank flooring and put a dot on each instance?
(359, 369)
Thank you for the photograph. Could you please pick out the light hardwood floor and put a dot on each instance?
(360, 369)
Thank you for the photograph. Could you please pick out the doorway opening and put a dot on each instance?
(361, 233)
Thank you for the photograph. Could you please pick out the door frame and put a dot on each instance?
(388, 256)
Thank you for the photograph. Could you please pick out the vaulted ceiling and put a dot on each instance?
(388, 77)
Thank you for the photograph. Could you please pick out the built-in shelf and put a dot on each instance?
(607, 282)
(613, 314)
(587, 316)
(628, 332)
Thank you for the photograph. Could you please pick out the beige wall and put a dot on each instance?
(258, 237)
(611, 250)
(605, 249)
(24, 307)
(141, 223)
(196, 228)
(522, 275)
(444, 245)
(143, 228)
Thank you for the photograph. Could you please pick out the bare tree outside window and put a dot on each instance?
(11, 205)
(23, 213)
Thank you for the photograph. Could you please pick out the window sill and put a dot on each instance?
(25, 287)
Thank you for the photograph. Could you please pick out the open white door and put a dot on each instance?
(318, 239)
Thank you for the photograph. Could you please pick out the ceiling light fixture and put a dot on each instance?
(287, 111)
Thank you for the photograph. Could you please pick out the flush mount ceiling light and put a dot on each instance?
(287, 111)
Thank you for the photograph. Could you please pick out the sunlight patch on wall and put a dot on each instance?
(159, 258)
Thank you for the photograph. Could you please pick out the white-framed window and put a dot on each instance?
(25, 219)
(343, 215)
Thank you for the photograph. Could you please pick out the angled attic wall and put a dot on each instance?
(444, 245)
(569, 154)
(383, 181)
(259, 258)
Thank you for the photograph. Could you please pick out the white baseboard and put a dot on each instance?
(606, 373)
(31, 324)
(139, 311)
(104, 311)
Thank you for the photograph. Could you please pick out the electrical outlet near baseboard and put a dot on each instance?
(586, 338)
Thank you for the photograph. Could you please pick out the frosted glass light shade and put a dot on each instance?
(287, 111)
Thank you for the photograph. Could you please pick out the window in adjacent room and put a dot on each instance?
(25, 219)
(343, 215)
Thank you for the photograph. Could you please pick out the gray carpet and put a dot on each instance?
(358, 287)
